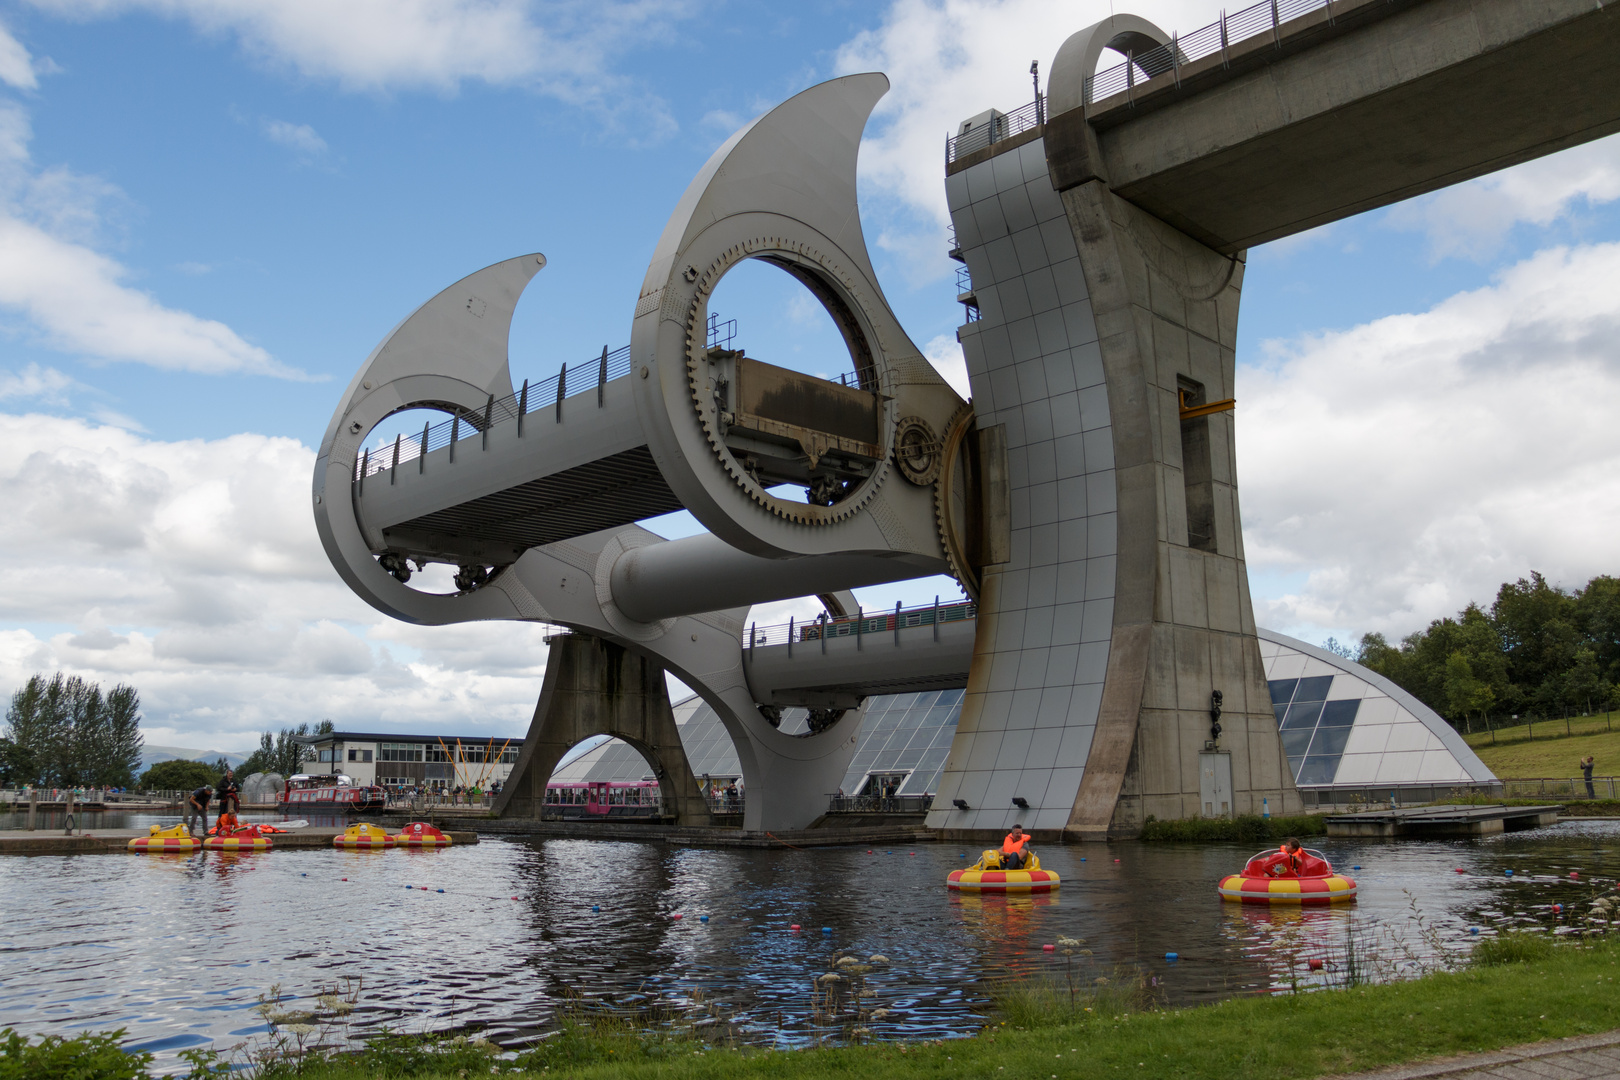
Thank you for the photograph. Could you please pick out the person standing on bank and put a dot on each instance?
(197, 807)
(230, 796)
(1587, 764)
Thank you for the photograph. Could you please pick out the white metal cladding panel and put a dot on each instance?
(1035, 366)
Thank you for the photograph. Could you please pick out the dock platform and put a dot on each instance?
(1428, 821)
(116, 841)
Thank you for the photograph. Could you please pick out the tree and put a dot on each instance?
(1349, 652)
(122, 756)
(64, 732)
(281, 752)
(179, 775)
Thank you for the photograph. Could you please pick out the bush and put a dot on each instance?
(1515, 947)
(83, 1057)
(1251, 828)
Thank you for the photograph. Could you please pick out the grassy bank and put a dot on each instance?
(1251, 827)
(1551, 752)
(1532, 991)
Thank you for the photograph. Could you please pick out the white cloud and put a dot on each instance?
(191, 569)
(16, 66)
(1471, 220)
(945, 353)
(74, 296)
(565, 48)
(1414, 463)
(299, 138)
(47, 384)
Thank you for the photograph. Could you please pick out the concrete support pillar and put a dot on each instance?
(1125, 602)
(594, 687)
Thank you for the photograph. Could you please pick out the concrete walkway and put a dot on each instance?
(1583, 1057)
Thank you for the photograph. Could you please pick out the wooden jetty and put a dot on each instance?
(1428, 821)
(114, 841)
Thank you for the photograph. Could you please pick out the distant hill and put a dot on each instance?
(151, 755)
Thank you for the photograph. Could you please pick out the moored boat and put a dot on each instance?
(335, 793)
(421, 834)
(175, 840)
(1271, 878)
(363, 836)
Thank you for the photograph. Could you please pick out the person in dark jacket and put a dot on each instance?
(197, 808)
(230, 795)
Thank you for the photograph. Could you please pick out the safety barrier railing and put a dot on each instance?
(860, 625)
(1215, 39)
(879, 804)
(1553, 787)
(1001, 127)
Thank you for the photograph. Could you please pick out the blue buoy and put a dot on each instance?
(1473, 929)
(703, 918)
(408, 886)
(1355, 868)
(1510, 873)
(826, 929)
(1082, 858)
(962, 856)
(1172, 957)
(441, 890)
(596, 907)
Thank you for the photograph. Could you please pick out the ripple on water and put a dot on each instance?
(177, 950)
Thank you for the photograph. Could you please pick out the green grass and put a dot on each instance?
(1250, 827)
(1551, 752)
(1552, 991)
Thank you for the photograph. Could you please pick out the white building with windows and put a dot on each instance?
(435, 762)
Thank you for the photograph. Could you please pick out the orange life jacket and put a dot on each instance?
(1295, 859)
(1014, 844)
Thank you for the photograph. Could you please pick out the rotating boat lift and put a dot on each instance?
(538, 511)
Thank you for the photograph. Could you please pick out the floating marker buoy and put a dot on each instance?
(964, 855)
(1116, 860)
(869, 851)
(1082, 858)
(888, 853)
(410, 886)
(596, 907)
(795, 926)
(1558, 908)
(1460, 870)
(701, 918)
(514, 898)
(1473, 929)
(1355, 868)
(1172, 957)
(302, 874)
(913, 854)
(1314, 964)
(1048, 948)
(441, 890)
(1510, 873)
(826, 929)
(344, 879)
(677, 915)
(1573, 874)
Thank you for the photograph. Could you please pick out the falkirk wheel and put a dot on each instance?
(1101, 631)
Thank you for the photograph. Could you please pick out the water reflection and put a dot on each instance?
(178, 949)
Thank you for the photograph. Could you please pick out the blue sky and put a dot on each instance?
(210, 214)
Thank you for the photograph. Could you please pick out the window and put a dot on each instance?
(360, 755)
(509, 756)
(436, 753)
(326, 756)
(1197, 471)
(391, 751)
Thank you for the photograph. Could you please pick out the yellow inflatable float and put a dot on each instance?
(363, 837)
(175, 840)
(987, 876)
(239, 838)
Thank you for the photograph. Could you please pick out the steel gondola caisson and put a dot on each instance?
(1272, 878)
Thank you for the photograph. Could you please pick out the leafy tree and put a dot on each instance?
(179, 775)
(1349, 652)
(64, 732)
(281, 752)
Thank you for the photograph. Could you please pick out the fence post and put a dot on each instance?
(33, 808)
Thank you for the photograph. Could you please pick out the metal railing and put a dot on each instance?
(879, 804)
(1603, 787)
(860, 625)
(1001, 127)
(1254, 21)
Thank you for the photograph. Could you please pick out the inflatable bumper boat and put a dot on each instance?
(420, 834)
(363, 837)
(988, 876)
(1271, 878)
(242, 838)
(175, 840)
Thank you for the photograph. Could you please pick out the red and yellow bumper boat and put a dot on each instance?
(1271, 877)
(987, 876)
(421, 834)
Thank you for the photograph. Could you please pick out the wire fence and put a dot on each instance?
(1553, 787)
(1254, 21)
(861, 624)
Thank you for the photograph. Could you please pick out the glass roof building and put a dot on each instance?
(1344, 729)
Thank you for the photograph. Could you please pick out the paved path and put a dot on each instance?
(1584, 1057)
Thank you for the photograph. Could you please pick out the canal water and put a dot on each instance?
(179, 950)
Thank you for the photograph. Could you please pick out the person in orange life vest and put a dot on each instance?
(1293, 857)
(1013, 853)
